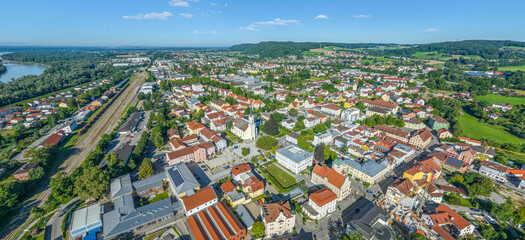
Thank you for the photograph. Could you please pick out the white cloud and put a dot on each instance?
(225, 4)
(179, 3)
(205, 32)
(213, 4)
(186, 15)
(362, 16)
(256, 26)
(153, 16)
(321, 16)
(431, 30)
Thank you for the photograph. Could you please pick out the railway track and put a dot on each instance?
(85, 145)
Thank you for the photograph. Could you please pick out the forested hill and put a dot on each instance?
(280, 49)
(2, 68)
(487, 49)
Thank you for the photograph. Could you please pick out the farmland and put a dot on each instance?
(474, 129)
(493, 98)
(512, 68)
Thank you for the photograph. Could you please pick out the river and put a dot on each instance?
(16, 70)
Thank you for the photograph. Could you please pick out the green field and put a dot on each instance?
(476, 130)
(512, 68)
(440, 56)
(283, 178)
(494, 98)
(429, 55)
(379, 59)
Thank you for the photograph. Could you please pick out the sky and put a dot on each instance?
(223, 23)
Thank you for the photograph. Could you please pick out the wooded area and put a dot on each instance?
(66, 69)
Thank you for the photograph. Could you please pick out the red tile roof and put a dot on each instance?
(227, 187)
(323, 196)
(202, 196)
(272, 210)
(334, 177)
(241, 168)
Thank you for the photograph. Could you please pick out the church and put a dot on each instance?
(245, 128)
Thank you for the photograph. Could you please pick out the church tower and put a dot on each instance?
(251, 125)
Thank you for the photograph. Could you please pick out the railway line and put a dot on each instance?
(85, 145)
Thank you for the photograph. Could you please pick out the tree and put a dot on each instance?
(38, 212)
(36, 173)
(146, 168)
(61, 187)
(299, 125)
(115, 165)
(92, 184)
(319, 128)
(245, 151)
(258, 229)
(273, 150)
(360, 105)
(253, 160)
(266, 142)
(418, 236)
(292, 112)
(319, 154)
(272, 127)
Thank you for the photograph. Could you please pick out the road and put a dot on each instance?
(53, 227)
(85, 145)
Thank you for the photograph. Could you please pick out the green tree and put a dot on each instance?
(61, 187)
(36, 173)
(266, 142)
(258, 229)
(253, 160)
(319, 153)
(38, 212)
(319, 128)
(292, 112)
(299, 125)
(245, 151)
(418, 236)
(92, 184)
(146, 168)
(115, 165)
(271, 127)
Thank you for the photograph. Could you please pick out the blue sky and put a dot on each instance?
(228, 22)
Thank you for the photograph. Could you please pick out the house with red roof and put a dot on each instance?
(447, 223)
(320, 203)
(336, 182)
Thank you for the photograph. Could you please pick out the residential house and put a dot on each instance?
(321, 203)
(278, 218)
(335, 181)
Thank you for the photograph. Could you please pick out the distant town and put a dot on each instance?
(334, 143)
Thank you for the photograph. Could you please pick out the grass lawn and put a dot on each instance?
(159, 197)
(284, 179)
(152, 236)
(512, 68)
(39, 237)
(494, 98)
(474, 129)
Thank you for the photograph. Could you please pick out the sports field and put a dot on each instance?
(494, 98)
(283, 178)
(476, 130)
